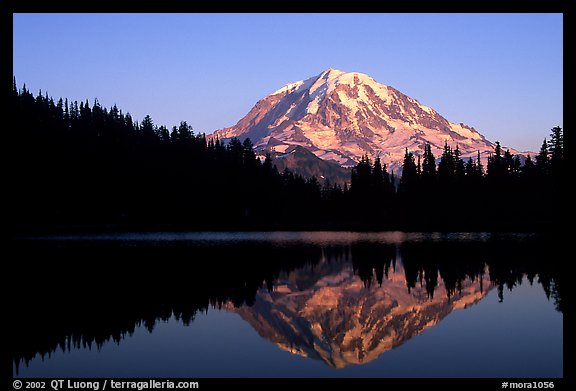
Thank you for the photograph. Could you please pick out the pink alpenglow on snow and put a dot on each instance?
(341, 116)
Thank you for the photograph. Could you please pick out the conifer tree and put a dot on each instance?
(408, 181)
(542, 158)
(428, 167)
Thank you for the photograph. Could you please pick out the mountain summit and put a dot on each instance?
(340, 116)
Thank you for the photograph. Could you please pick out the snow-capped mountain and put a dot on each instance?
(340, 116)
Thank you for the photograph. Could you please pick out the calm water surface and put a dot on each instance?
(289, 305)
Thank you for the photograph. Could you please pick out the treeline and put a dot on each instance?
(82, 165)
(461, 194)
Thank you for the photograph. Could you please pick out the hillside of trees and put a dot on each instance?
(79, 166)
(463, 195)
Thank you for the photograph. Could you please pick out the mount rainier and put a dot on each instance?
(341, 116)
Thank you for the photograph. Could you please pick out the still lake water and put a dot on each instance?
(289, 304)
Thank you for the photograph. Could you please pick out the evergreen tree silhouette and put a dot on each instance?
(428, 168)
(556, 147)
(409, 180)
(542, 162)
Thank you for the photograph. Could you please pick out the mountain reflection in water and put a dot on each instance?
(337, 297)
(327, 312)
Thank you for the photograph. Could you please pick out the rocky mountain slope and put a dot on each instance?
(340, 116)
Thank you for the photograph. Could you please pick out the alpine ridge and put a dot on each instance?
(341, 116)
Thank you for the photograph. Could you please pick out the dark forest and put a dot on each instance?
(79, 166)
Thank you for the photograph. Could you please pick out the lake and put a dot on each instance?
(288, 304)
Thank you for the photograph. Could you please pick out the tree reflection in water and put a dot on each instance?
(341, 302)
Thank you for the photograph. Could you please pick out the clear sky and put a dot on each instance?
(500, 73)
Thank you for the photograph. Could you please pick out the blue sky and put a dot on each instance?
(501, 73)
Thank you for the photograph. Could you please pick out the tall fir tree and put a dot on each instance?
(409, 179)
(428, 167)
